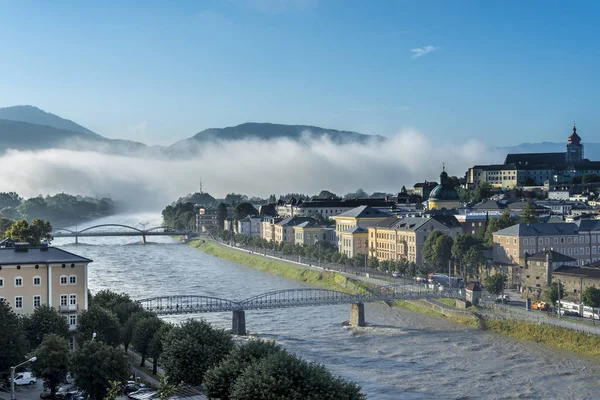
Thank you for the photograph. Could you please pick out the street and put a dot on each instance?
(25, 392)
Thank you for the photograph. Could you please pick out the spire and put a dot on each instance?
(443, 167)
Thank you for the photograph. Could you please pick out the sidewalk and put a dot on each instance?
(134, 362)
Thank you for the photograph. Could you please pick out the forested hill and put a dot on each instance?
(60, 210)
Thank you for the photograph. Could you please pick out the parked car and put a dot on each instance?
(131, 387)
(540, 305)
(25, 378)
(503, 298)
(66, 392)
(139, 391)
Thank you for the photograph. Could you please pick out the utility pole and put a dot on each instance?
(558, 282)
(366, 254)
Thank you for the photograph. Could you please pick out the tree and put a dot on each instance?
(143, 332)
(119, 303)
(472, 260)
(219, 380)
(5, 223)
(52, 361)
(554, 292)
(495, 283)
(157, 344)
(590, 178)
(192, 348)
(326, 194)
(21, 231)
(114, 391)
(95, 365)
(9, 199)
(284, 376)
(45, 320)
(496, 224)
(428, 254)
(482, 192)
(128, 328)
(221, 214)
(442, 250)
(102, 322)
(530, 214)
(243, 210)
(13, 344)
(462, 244)
(166, 390)
(591, 298)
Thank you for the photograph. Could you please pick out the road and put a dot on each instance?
(25, 392)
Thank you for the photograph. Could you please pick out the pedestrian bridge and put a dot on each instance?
(116, 230)
(193, 304)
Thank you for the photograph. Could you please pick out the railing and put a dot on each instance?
(68, 308)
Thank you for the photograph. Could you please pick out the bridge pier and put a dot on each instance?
(357, 314)
(238, 325)
(144, 239)
(76, 239)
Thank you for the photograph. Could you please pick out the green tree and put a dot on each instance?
(143, 332)
(496, 224)
(119, 303)
(283, 376)
(530, 214)
(157, 344)
(326, 194)
(102, 322)
(243, 210)
(114, 391)
(471, 261)
(13, 344)
(442, 251)
(461, 245)
(166, 390)
(128, 328)
(428, 252)
(192, 348)
(5, 223)
(591, 298)
(9, 199)
(495, 283)
(482, 192)
(22, 231)
(553, 292)
(45, 320)
(219, 380)
(590, 178)
(221, 215)
(95, 365)
(52, 361)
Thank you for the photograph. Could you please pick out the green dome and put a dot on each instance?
(443, 193)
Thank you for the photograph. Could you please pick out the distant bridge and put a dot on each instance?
(131, 231)
(192, 304)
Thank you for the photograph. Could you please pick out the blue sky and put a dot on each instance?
(159, 71)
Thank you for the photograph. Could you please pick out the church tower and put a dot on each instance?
(574, 153)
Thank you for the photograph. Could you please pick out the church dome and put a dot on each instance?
(574, 138)
(445, 190)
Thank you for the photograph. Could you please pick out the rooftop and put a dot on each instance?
(540, 229)
(35, 255)
(584, 272)
(363, 212)
(555, 256)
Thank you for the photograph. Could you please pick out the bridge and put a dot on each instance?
(192, 304)
(131, 231)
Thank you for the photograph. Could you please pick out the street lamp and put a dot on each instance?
(12, 376)
(93, 336)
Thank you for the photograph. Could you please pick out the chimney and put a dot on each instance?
(22, 246)
(44, 245)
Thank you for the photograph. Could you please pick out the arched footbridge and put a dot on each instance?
(117, 230)
(192, 304)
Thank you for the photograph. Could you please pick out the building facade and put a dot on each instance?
(363, 217)
(284, 229)
(250, 226)
(34, 276)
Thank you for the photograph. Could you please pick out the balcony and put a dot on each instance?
(68, 308)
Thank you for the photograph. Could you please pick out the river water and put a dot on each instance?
(399, 355)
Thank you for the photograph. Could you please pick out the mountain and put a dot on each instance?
(268, 131)
(591, 150)
(29, 128)
(34, 115)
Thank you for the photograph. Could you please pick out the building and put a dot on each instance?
(423, 189)
(443, 196)
(537, 274)
(32, 276)
(311, 233)
(536, 169)
(351, 241)
(403, 238)
(328, 208)
(284, 229)
(250, 225)
(576, 279)
(267, 228)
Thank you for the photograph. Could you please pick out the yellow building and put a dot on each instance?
(33, 276)
(403, 238)
(443, 196)
(352, 241)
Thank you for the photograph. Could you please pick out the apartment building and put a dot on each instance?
(311, 233)
(353, 241)
(403, 238)
(580, 240)
(250, 226)
(284, 229)
(267, 228)
(32, 276)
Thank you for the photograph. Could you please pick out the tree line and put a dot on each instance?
(191, 353)
(61, 209)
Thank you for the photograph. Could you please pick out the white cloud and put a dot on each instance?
(251, 167)
(421, 51)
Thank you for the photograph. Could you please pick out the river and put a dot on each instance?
(399, 355)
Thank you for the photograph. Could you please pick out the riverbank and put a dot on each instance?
(323, 279)
(551, 336)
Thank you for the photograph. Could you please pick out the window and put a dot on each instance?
(547, 240)
(37, 281)
(72, 320)
(63, 280)
(73, 299)
(515, 252)
(37, 301)
(1, 282)
(581, 251)
(63, 300)
(18, 281)
(18, 302)
(576, 251)
(569, 240)
(515, 241)
(507, 240)
(525, 241)
(562, 240)
(555, 240)
(570, 250)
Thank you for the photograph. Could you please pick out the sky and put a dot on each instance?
(502, 72)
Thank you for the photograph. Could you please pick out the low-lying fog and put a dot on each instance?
(252, 167)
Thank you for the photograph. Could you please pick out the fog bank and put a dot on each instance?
(252, 167)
